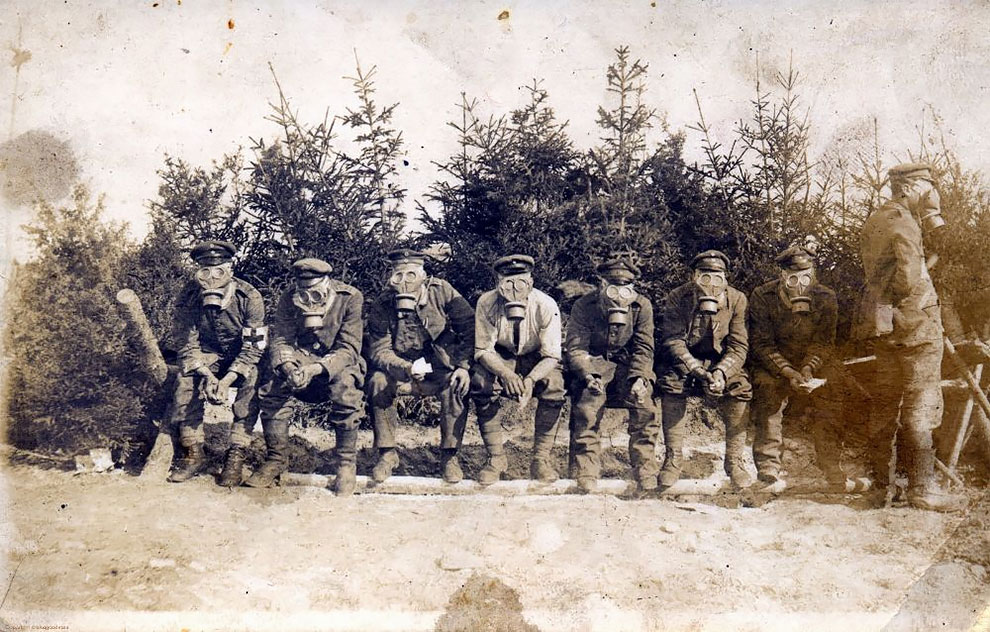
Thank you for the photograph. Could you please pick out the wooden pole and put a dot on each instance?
(159, 461)
(151, 355)
(964, 424)
(983, 421)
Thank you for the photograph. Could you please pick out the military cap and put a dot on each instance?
(710, 260)
(406, 255)
(311, 268)
(213, 252)
(513, 264)
(795, 258)
(620, 266)
(910, 170)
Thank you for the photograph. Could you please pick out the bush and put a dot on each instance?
(72, 380)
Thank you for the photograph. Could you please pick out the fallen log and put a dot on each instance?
(159, 461)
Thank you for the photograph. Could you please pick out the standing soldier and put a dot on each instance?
(517, 352)
(609, 351)
(221, 331)
(421, 335)
(704, 347)
(900, 311)
(792, 324)
(315, 357)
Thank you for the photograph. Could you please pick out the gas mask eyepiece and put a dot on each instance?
(711, 285)
(213, 282)
(312, 302)
(515, 290)
(407, 281)
(926, 205)
(797, 288)
(616, 299)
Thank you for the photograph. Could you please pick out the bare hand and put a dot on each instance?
(210, 384)
(220, 395)
(514, 385)
(716, 382)
(460, 381)
(640, 390)
(594, 385)
(796, 379)
(807, 374)
(301, 377)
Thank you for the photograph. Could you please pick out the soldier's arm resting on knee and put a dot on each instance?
(762, 341)
(378, 341)
(577, 346)
(736, 341)
(676, 326)
(822, 338)
(254, 341)
(641, 361)
(186, 334)
(283, 336)
(460, 317)
(346, 348)
(550, 342)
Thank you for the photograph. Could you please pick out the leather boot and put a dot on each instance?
(922, 491)
(674, 427)
(388, 459)
(191, 464)
(494, 439)
(233, 467)
(735, 443)
(346, 449)
(452, 472)
(541, 468)
(276, 461)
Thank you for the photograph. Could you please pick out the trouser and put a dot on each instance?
(188, 408)
(382, 391)
(585, 425)
(343, 390)
(771, 396)
(908, 396)
(486, 388)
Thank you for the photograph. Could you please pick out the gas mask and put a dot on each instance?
(616, 299)
(313, 302)
(213, 282)
(515, 290)
(796, 286)
(711, 284)
(407, 280)
(923, 200)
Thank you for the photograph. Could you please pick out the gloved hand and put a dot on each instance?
(210, 383)
(640, 390)
(716, 383)
(594, 384)
(302, 376)
(223, 387)
(460, 381)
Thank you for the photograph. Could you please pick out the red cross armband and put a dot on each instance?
(257, 337)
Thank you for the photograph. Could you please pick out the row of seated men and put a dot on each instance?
(420, 336)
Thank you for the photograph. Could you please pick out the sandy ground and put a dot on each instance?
(112, 551)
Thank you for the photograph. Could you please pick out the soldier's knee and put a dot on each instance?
(379, 386)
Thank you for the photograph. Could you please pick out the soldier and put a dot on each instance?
(420, 337)
(609, 351)
(900, 312)
(703, 350)
(315, 357)
(792, 323)
(221, 331)
(517, 352)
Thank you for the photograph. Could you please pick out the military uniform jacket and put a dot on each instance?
(899, 300)
(779, 338)
(445, 316)
(233, 334)
(336, 345)
(591, 341)
(683, 331)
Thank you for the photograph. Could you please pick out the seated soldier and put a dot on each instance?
(703, 350)
(517, 339)
(609, 352)
(315, 357)
(420, 335)
(792, 323)
(220, 329)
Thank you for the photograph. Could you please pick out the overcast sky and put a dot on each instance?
(128, 82)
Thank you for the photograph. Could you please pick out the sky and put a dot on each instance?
(126, 83)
